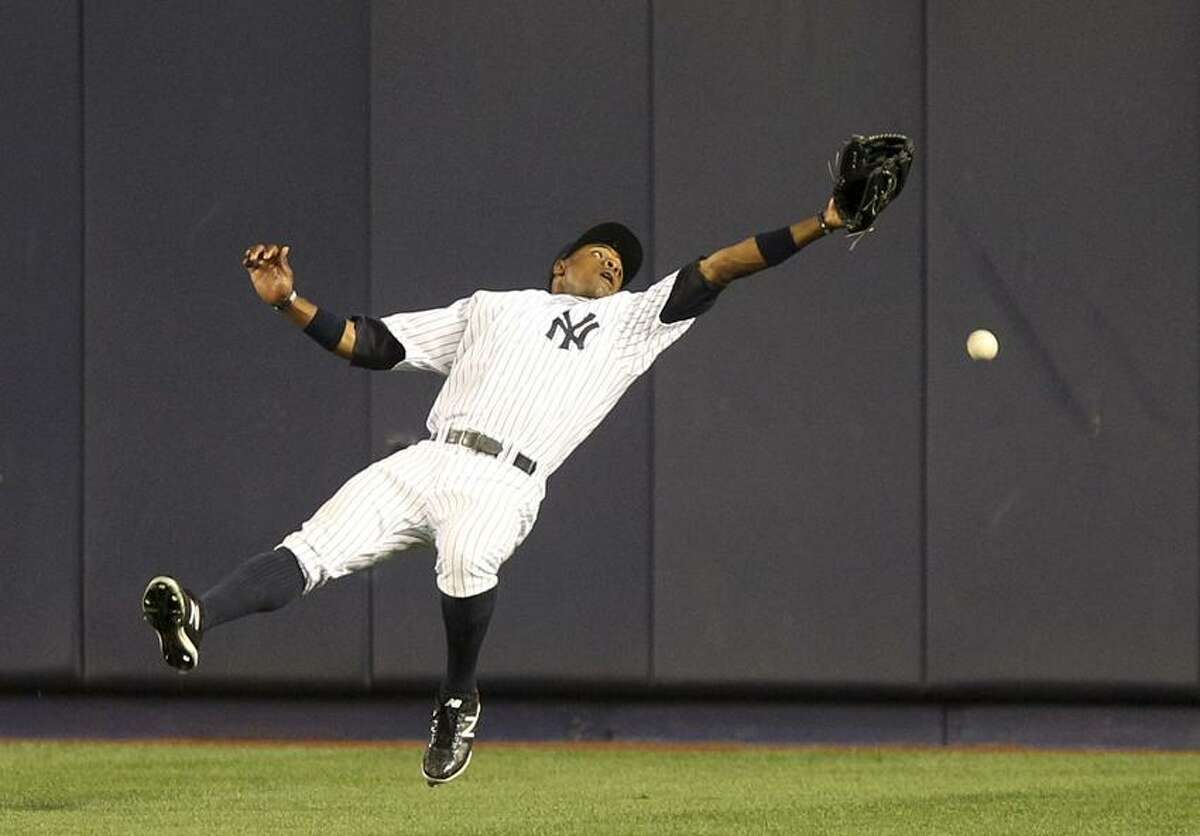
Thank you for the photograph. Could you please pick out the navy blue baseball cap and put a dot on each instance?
(620, 238)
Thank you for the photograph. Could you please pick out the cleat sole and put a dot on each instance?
(162, 609)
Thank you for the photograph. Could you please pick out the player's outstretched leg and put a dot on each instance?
(263, 583)
(456, 714)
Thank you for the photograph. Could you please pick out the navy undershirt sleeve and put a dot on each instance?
(691, 295)
(375, 347)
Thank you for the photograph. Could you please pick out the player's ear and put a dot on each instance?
(559, 268)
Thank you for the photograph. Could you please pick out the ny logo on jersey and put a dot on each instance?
(574, 333)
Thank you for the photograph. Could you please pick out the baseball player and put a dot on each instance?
(529, 374)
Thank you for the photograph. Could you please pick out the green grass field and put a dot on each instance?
(330, 789)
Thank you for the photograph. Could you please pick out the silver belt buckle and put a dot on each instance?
(475, 440)
(488, 446)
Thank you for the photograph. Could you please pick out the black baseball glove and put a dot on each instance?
(871, 171)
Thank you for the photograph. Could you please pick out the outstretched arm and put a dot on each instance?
(871, 172)
(274, 283)
(745, 257)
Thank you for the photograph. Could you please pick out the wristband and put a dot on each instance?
(286, 303)
(776, 246)
(326, 328)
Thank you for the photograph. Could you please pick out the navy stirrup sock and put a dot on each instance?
(263, 583)
(466, 621)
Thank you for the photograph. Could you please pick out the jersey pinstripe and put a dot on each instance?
(534, 370)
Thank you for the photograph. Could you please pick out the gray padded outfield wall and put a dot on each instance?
(40, 250)
(495, 140)
(1062, 477)
(213, 427)
(814, 489)
(787, 422)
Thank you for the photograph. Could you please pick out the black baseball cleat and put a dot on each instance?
(175, 615)
(450, 737)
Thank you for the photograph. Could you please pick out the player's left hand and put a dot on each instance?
(871, 172)
(833, 218)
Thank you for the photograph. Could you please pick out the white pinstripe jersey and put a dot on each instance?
(536, 371)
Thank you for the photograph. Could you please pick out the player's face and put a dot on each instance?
(593, 270)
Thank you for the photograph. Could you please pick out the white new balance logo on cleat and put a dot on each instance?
(469, 731)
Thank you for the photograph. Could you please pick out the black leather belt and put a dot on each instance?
(481, 443)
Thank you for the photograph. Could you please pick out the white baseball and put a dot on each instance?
(982, 345)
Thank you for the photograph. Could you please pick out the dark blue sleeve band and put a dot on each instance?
(776, 246)
(326, 328)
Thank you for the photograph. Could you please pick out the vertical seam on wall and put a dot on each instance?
(653, 235)
(924, 453)
(368, 382)
(82, 544)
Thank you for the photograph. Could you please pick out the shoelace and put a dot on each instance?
(447, 729)
(434, 728)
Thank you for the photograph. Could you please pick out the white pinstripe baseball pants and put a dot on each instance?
(473, 509)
